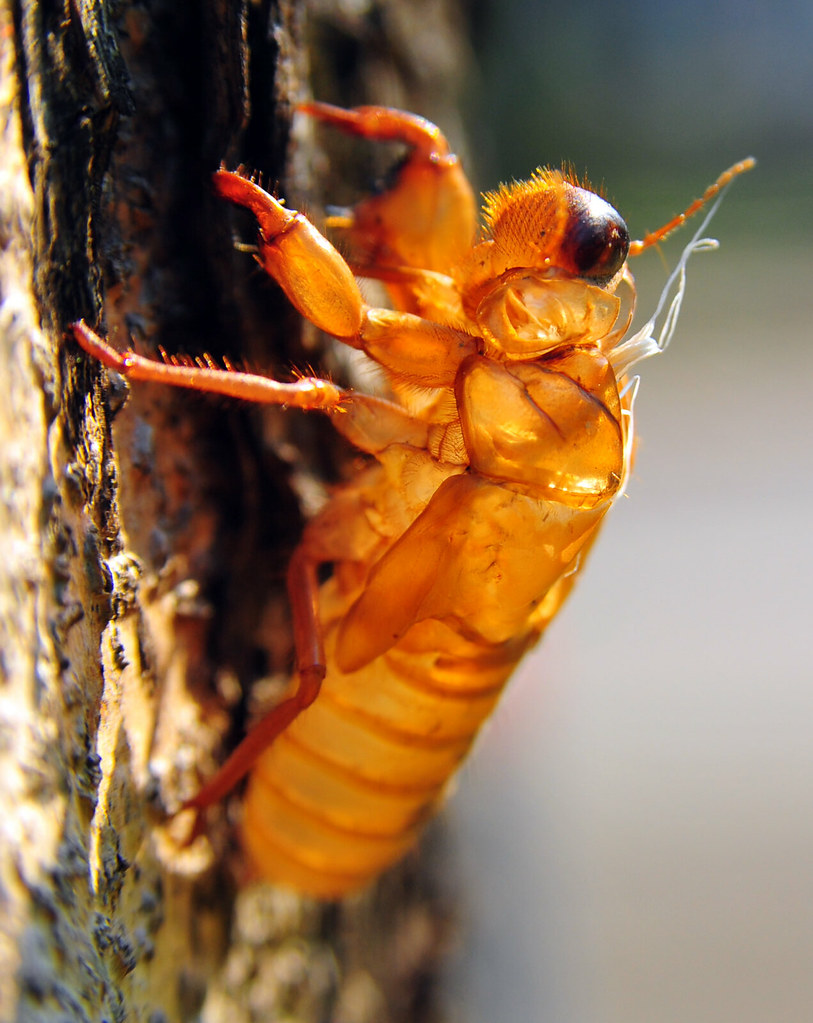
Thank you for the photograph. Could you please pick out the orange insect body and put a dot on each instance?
(508, 438)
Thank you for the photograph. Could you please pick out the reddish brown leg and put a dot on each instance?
(385, 124)
(303, 592)
(309, 393)
(426, 220)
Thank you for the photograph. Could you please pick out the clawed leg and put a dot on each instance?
(317, 281)
(310, 393)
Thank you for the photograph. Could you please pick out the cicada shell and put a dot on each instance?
(506, 438)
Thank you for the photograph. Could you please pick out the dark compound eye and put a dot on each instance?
(596, 240)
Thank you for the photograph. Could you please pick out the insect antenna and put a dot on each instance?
(646, 342)
(717, 188)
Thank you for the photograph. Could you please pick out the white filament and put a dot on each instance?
(653, 338)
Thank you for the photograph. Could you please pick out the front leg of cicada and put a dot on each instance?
(317, 281)
(427, 218)
(321, 285)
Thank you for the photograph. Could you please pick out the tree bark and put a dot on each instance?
(141, 584)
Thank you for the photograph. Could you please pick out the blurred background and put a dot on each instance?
(635, 829)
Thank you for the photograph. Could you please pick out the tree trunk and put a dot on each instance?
(141, 585)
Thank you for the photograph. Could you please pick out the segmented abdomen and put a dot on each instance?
(343, 792)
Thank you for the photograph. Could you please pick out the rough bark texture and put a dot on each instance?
(141, 581)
